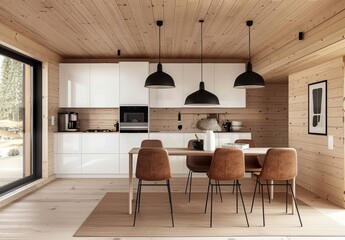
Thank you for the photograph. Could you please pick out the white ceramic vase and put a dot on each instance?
(209, 141)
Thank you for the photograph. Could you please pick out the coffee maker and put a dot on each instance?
(68, 122)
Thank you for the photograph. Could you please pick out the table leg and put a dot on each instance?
(294, 191)
(271, 189)
(130, 182)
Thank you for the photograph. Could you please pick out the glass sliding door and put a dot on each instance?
(19, 159)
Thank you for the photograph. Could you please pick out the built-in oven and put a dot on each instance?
(134, 119)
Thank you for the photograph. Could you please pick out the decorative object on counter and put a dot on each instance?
(236, 145)
(117, 127)
(179, 125)
(201, 96)
(208, 124)
(159, 79)
(236, 125)
(249, 79)
(227, 126)
(210, 141)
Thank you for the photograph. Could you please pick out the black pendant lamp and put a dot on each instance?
(249, 79)
(202, 97)
(159, 79)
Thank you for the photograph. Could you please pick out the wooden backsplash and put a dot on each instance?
(266, 116)
(94, 118)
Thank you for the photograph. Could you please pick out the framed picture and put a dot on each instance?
(317, 108)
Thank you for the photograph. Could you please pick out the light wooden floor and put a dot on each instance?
(58, 209)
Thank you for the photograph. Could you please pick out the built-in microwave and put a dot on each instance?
(134, 119)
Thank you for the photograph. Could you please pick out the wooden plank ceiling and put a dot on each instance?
(98, 28)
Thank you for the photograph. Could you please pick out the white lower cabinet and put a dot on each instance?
(67, 163)
(127, 142)
(100, 163)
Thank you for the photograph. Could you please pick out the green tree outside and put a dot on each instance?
(11, 89)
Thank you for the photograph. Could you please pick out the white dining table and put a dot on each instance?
(192, 152)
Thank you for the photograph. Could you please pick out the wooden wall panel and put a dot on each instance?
(17, 41)
(320, 170)
(266, 116)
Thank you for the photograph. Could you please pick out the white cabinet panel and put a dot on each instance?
(104, 85)
(68, 143)
(225, 75)
(131, 140)
(132, 80)
(100, 163)
(170, 97)
(124, 158)
(74, 85)
(100, 142)
(68, 163)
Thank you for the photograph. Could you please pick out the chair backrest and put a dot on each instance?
(251, 162)
(227, 164)
(193, 161)
(153, 164)
(279, 164)
(152, 143)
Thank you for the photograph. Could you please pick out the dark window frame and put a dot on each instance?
(36, 151)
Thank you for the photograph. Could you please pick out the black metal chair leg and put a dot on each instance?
(256, 184)
(294, 199)
(220, 192)
(136, 204)
(268, 192)
(185, 191)
(208, 190)
(286, 196)
(190, 185)
(236, 197)
(211, 205)
(171, 208)
(263, 204)
(139, 189)
(244, 207)
(233, 187)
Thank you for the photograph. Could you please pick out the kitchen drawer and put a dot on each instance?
(100, 163)
(131, 140)
(67, 163)
(100, 143)
(67, 143)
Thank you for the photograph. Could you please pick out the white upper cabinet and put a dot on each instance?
(74, 85)
(104, 85)
(224, 76)
(89, 85)
(132, 80)
(170, 97)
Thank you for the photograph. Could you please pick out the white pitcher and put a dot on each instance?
(209, 141)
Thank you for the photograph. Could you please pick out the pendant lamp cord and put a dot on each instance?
(159, 51)
(249, 43)
(201, 59)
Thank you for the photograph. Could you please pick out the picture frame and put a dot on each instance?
(317, 108)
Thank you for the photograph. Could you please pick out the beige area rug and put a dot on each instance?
(111, 219)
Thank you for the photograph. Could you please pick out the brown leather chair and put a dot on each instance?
(197, 164)
(227, 165)
(252, 164)
(280, 165)
(152, 143)
(153, 165)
